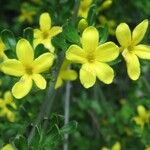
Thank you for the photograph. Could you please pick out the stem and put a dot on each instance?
(66, 111)
(46, 106)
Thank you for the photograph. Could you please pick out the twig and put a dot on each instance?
(46, 106)
(66, 111)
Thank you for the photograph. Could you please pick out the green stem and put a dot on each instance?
(66, 111)
(47, 104)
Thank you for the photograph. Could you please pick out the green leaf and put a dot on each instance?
(8, 39)
(39, 50)
(59, 42)
(92, 15)
(21, 143)
(28, 34)
(69, 128)
(71, 34)
(103, 32)
(10, 54)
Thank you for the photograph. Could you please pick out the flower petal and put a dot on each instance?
(104, 72)
(55, 30)
(24, 52)
(90, 39)
(107, 52)
(59, 83)
(123, 35)
(13, 67)
(87, 75)
(69, 75)
(142, 51)
(22, 88)
(139, 32)
(8, 147)
(76, 54)
(43, 62)
(45, 21)
(39, 81)
(133, 65)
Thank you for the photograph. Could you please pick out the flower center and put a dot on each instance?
(45, 35)
(29, 70)
(130, 48)
(90, 58)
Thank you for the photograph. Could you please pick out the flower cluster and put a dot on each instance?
(93, 56)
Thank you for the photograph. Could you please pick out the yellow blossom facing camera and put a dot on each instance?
(93, 57)
(84, 8)
(65, 74)
(46, 32)
(6, 101)
(143, 116)
(130, 49)
(8, 147)
(27, 68)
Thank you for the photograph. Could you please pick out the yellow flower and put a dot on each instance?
(27, 68)
(116, 146)
(46, 32)
(143, 116)
(84, 8)
(4, 102)
(65, 74)
(93, 58)
(26, 15)
(129, 48)
(8, 147)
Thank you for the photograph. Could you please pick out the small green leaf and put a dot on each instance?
(8, 39)
(103, 34)
(39, 50)
(92, 15)
(71, 34)
(28, 34)
(59, 42)
(10, 54)
(69, 128)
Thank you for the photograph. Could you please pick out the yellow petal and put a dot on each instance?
(24, 52)
(116, 146)
(43, 62)
(11, 116)
(13, 67)
(39, 81)
(87, 75)
(59, 83)
(69, 75)
(104, 72)
(142, 51)
(139, 32)
(90, 39)
(138, 120)
(37, 33)
(76, 54)
(123, 35)
(55, 30)
(7, 147)
(45, 21)
(133, 65)
(22, 88)
(107, 52)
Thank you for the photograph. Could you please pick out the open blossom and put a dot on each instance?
(27, 68)
(46, 32)
(131, 49)
(6, 101)
(93, 57)
(143, 116)
(65, 73)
